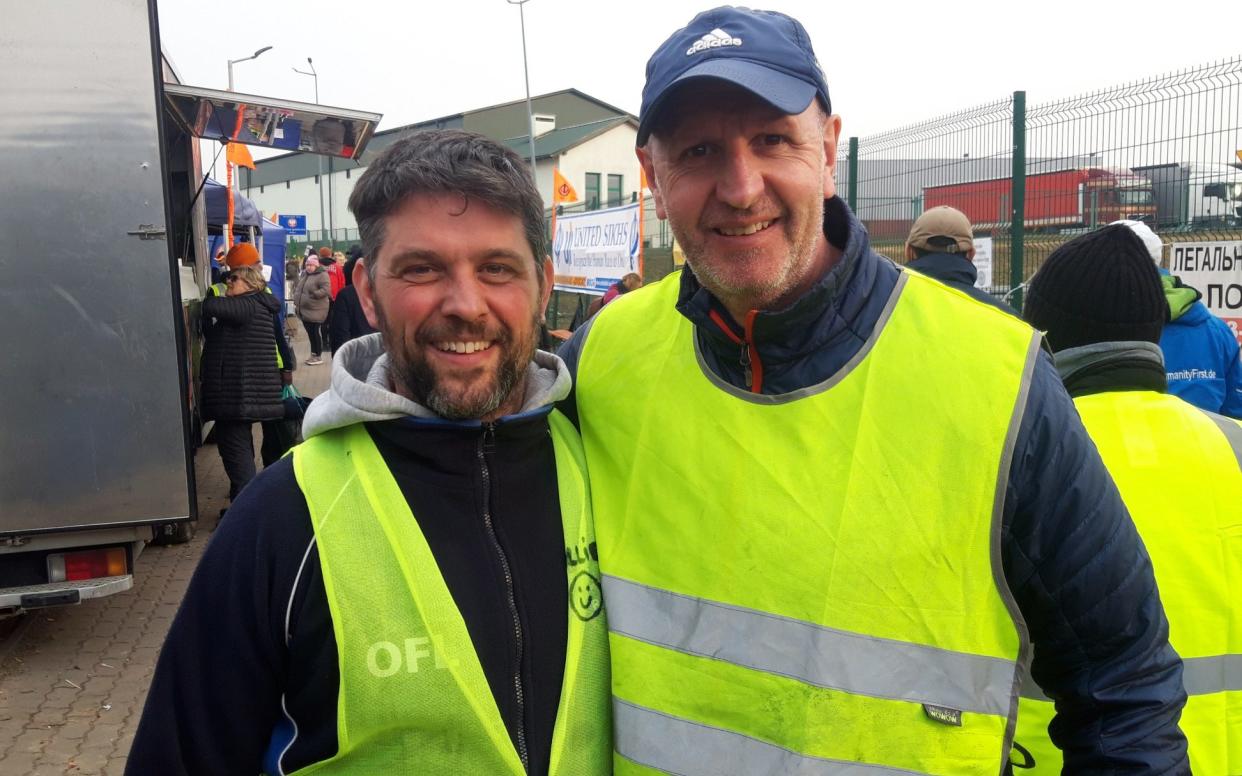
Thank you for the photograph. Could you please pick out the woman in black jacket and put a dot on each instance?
(241, 383)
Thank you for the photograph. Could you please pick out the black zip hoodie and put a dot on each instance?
(248, 677)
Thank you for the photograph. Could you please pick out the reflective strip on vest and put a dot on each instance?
(809, 582)
(687, 748)
(1232, 431)
(855, 663)
(1200, 675)
(1180, 478)
(413, 696)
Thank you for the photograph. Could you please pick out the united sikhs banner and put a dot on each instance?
(593, 250)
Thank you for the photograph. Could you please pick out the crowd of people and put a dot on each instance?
(794, 509)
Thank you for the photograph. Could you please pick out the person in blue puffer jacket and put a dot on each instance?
(1201, 353)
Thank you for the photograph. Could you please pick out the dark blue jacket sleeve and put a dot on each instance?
(1083, 581)
(570, 352)
(214, 700)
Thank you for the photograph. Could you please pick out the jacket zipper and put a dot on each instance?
(487, 444)
(752, 365)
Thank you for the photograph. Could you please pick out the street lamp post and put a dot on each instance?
(315, 75)
(244, 59)
(530, 116)
(228, 168)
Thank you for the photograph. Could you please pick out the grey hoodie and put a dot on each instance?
(361, 388)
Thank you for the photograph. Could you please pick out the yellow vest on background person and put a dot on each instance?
(1179, 470)
(413, 696)
(808, 583)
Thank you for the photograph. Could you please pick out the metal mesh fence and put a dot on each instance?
(1163, 150)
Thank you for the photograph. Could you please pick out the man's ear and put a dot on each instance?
(645, 161)
(970, 255)
(362, 281)
(549, 277)
(832, 133)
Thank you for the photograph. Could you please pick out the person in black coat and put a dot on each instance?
(348, 321)
(241, 384)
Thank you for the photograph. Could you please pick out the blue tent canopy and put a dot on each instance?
(244, 211)
(274, 237)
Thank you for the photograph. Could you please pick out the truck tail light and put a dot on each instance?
(88, 564)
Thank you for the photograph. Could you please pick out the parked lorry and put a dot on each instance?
(1195, 194)
(103, 262)
(1074, 198)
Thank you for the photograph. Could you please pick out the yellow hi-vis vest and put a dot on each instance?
(808, 583)
(413, 696)
(1179, 470)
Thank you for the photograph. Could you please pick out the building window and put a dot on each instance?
(347, 171)
(592, 191)
(260, 189)
(288, 184)
(316, 180)
(614, 190)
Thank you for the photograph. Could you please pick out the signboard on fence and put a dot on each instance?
(593, 250)
(983, 262)
(295, 226)
(1214, 269)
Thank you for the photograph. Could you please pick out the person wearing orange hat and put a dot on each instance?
(243, 254)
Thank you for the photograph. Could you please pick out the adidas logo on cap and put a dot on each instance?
(717, 38)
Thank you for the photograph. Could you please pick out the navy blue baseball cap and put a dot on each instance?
(764, 52)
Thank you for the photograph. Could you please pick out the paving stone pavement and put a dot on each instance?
(73, 679)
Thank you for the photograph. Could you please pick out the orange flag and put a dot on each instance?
(239, 154)
(562, 189)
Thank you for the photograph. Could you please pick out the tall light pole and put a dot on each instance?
(244, 59)
(530, 116)
(312, 74)
(228, 165)
(315, 74)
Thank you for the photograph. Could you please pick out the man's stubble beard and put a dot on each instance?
(415, 378)
(760, 295)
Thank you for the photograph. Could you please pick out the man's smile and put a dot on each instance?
(463, 346)
(744, 230)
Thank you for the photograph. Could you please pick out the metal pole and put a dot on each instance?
(313, 73)
(852, 196)
(1018, 230)
(530, 114)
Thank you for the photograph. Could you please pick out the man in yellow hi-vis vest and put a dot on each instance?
(1179, 469)
(415, 589)
(831, 496)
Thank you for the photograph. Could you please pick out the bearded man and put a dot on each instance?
(414, 589)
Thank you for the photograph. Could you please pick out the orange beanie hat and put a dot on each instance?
(241, 255)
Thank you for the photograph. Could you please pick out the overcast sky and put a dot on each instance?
(886, 67)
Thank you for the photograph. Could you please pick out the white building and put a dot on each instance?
(589, 141)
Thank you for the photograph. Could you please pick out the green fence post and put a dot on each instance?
(852, 196)
(1018, 221)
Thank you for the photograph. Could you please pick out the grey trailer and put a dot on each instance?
(103, 261)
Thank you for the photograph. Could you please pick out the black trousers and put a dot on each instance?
(235, 441)
(314, 332)
(278, 437)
